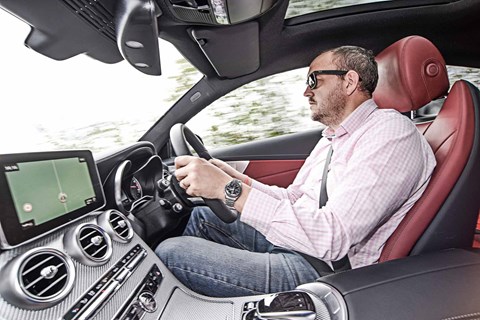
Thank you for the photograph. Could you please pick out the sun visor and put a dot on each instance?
(233, 51)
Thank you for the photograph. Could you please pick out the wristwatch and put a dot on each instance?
(233, 190)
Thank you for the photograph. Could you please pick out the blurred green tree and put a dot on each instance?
(185, 79)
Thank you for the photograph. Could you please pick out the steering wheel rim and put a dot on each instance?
(181, 136)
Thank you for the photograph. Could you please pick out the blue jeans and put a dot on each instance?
(229, 260)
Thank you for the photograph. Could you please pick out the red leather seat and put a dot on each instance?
(412, 73)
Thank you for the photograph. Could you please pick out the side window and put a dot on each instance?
(455, 73)
(465, 73)
(275, 106)
(268, 107)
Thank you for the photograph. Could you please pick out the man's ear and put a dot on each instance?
(352, 79)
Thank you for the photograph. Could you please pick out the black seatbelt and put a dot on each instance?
(344, 263)
(319, 265)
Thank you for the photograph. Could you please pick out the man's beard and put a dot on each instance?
(331, 110)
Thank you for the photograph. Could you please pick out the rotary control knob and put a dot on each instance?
(147, 302)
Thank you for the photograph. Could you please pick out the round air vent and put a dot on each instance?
(89, 244)
(37, 279)
(116, 225)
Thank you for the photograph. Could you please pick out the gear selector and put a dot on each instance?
(287, 305)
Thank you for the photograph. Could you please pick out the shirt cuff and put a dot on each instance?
(259, 210)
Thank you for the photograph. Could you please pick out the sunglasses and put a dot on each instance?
(312, 77)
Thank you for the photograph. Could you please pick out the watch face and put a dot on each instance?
(233, 188)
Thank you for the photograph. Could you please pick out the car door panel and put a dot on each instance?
(273, 161)
(274, 172)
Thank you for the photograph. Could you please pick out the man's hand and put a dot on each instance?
(200, 178)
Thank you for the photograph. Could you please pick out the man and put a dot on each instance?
(379, 167)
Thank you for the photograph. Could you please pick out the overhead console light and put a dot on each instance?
(220, 12)
(137, 34)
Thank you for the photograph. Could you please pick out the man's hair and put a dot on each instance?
(362, 61)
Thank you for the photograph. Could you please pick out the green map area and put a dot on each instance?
(45, 190)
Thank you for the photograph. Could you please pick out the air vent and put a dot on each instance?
(89, 244)
(43, 276)
(37, 279)
(94, 13)
(93, 243)
(119, 224)
(116, 225)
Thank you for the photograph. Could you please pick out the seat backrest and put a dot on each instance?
(412, 73)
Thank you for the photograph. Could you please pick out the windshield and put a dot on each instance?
(80, 102)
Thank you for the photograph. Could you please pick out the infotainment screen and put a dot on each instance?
(40, 192)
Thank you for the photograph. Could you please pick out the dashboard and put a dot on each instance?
(79, 246)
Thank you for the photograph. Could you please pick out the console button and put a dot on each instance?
(147, 302)
(122, 275)
(136, 261)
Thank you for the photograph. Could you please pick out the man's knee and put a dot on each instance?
(170, 249)
(180, 250)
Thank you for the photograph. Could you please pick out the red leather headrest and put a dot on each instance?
(412, 73)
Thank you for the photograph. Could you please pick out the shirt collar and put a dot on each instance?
(353, 121)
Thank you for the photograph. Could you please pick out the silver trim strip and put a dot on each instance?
(117, 183)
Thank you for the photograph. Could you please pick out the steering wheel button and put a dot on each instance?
(177, 207)
(165, 203)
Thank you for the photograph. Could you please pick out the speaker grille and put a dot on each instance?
(193, 15)
(95, 14)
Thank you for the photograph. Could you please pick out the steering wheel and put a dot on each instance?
(180, 135)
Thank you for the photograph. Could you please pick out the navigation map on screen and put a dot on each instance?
(45, 190)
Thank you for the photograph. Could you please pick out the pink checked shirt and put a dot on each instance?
(380, 166)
